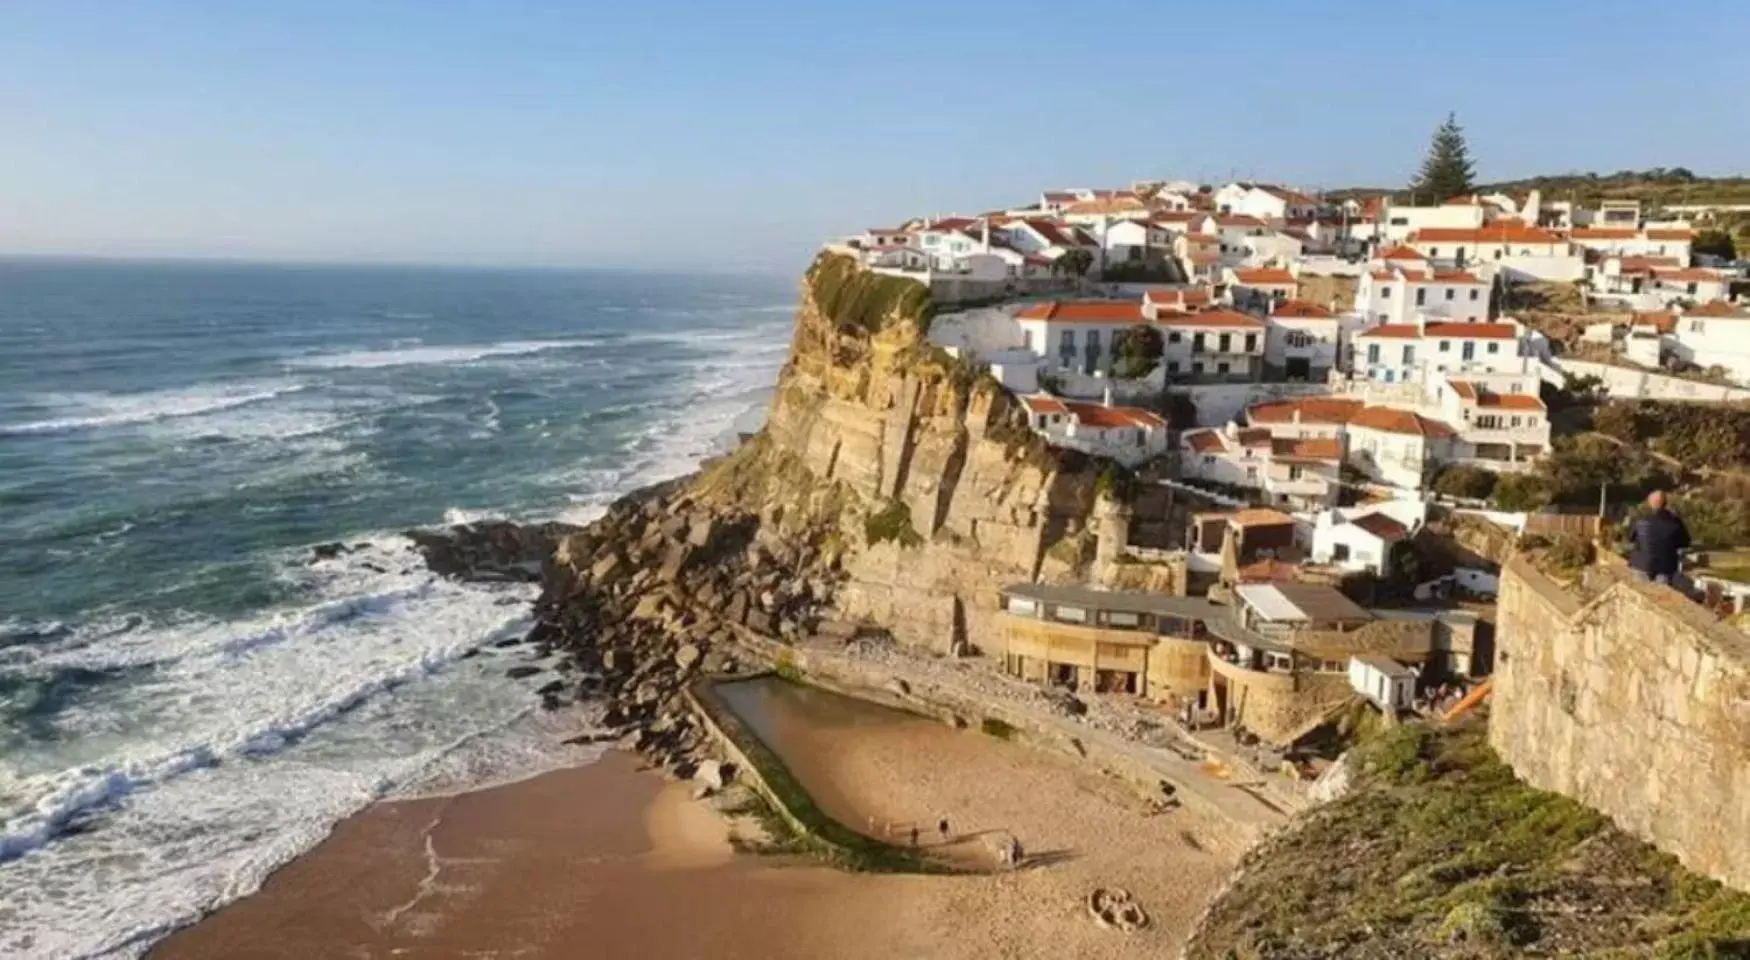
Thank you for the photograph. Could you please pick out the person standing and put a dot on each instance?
(1657, 541)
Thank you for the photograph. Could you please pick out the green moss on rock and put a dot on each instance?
(858, 299)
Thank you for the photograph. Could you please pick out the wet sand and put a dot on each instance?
(608, 861)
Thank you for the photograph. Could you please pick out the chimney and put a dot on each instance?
(986, 222)
(1107, 398)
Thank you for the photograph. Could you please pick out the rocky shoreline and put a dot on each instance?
(639, 603)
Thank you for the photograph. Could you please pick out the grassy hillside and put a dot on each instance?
(1439, 852)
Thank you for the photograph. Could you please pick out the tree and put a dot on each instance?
(1462, 480)
(1138, 351)
(1716, 242)
(1076, 260)
(1448, 170)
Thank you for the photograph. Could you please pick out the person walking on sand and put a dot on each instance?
(1657, 541)
(914, 835)
(942, 828)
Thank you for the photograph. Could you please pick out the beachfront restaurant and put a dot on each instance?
(1107, 641)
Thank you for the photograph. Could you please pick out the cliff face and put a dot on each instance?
(916, 471)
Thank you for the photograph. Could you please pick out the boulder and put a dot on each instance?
(328, 551)
(703, 529)
(686, 657)
(712, 773)
(606, 569)
(762, 623)
(517, 673)
(738, 604)
(551, 686)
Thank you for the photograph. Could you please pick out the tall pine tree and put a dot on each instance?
(1447, 171)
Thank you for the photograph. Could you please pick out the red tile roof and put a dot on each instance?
(1259, 517)
(1311, 409)
(1099, 415)
(1391, 420)
(1713, 308)
(1687, 274)
(1303, 309)
(1455, 277)
(1405, 331)
(1264, 276)
(1311, 448)
(1510, 401)
(1498, 232)
(1227, 319)
(1253, 436)
(1084, 311)
(1602, 233)
(1463, 389)
(1473, 331)
(1670, 235)
(1204, 441)
(1382, 526)
(1645, 264)
(946, 225)
(1401, 252)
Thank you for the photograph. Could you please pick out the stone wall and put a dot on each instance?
(1634, 701)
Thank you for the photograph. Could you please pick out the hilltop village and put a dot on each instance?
(1340, 409)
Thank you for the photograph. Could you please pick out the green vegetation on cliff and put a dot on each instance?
(858, 299)
(1438, 851)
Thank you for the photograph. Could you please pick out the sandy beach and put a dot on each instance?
(607, 860)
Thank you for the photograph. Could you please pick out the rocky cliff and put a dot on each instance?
(915, 470)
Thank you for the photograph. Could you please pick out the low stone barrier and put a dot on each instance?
(762, 769)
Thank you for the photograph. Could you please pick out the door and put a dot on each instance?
(1298, 368)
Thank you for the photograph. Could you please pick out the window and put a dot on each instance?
(1695, 326)
(1251, 342)
(1197, 343)
(1385, 293)
(1296, 339)
(1224, 343)
(1251, 473)
(1172, 366)
(1515, 421)
(1373, 353)
(1473, 294)
(1024, 608)
(1494, 348)
(931, 240)
(1421, 295)
(1116, 619)
(1470, 350)
(1294, 473)
(1409, 355)
(1027, 339)
(1451, 293)
(1175, 337)
(1692, 288)
(1197, 366)
(1433, 253)
(1445, 346)
(1209, 460)
(1070, 614)
(1221, 368)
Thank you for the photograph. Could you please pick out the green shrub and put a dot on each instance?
(892, 523)
(859, 299)
(1000, 729)
(1460, 480)
(1519, 492)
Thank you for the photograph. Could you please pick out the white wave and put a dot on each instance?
(84, 411)
(245, 742)
(456, 516)
(432, 355)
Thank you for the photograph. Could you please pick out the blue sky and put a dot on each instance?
(661, 133)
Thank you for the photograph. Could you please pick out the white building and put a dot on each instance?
(1129, 435)
(1388, 683)
(1305, 417)
(1234, 234)
(1396, 294)
(1077, 335)
(1357, 539)
(1265, 201)
(1501, 423)
(1259, 287)
(1299, 473)
(1302, 341)
(1048, 237)
(1695, 284)
(1212, 346)
(1632, 242)
(1398, 448)
(1715, 334)
(1136, 241)
(1400, 352)
(1397, 223)
(1522, 251)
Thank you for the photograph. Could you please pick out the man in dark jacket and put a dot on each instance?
(1657, 541)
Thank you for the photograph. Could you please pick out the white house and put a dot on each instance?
(1260, 287)
(1397, 223)
(1266, 201)
(1129, 435)
(1362, 540)
(1185, 299)
(1212, 346)
(1299, 473)
(1397, 294)
(1305, 417)
(1136, 241)
(1629, 277)
(1399, 352)
(1631, 242)
(1077, 335)
(1234, 234)
(1395, 447)
(1200, 254)
(1525, 252)
(1695, 284)
(1388, 683)
(1715, 334)
(1106, 207)
(1496, 430)
(1048, 237)
(1302, 342)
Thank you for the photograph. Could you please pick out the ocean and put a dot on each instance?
(187, 699)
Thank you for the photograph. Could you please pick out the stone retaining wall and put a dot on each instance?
(1637, 704)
